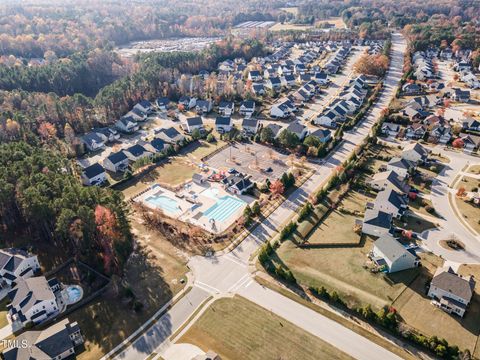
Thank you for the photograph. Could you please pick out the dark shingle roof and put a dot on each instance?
(93, 170)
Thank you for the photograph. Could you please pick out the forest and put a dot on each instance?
(40, 194)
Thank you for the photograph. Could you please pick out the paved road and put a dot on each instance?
(229, 273)
(451, 224)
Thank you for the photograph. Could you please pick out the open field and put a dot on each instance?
(236, 328)
(153, 274)
(289, 27)
(337, 22)
(341, 268)
(474, 169)
(337, 228)
(417, 311)
(292, 10)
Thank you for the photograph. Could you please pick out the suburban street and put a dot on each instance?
(229, 273)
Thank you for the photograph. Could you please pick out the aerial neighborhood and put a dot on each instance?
(257, 180)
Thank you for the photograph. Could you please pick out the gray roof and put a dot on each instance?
(193, 121)
(400, 163)
(28, 292)
(392, 197)
(391, 248)
(45, 344)
(447, 280)
(417, 148)
(392, 177)
(377, 218)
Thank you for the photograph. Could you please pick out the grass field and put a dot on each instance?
(153, 275)
(337, 228)
(289, 27)
(236, 328)
(417, 311)
(341, 268)
(336, 21)
(469, 212)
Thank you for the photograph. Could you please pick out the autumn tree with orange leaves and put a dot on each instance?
(372, 65)
(277, 188)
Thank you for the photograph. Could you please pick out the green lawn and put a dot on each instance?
(341, 268)
(236, 328)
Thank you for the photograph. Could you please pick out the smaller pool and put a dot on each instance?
(165, 203)
(72, 294)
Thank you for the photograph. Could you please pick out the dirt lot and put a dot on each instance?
(236, 328)
(153, 275)
(417, 311)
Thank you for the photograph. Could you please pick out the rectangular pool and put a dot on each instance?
(164, 203)
(225, 207)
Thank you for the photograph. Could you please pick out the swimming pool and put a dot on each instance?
(73, 294)
(165, 203)
(225, 207)
(211, 193)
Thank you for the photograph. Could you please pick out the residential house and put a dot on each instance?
(247, 108)
(415, 153)
(273, 83)
(388, 253)
(237, 184)
(193, 123)
(388, 180)
(321, 78)
(127, 125)
(471, 80)
(110, 133)
(223, 124)
(376, 223)
(258, 89)
(254, 75)
(94, 175)
(170, 135)
(401, 166)
(226, 108)
(276, 129)
(471, 124)
(391, 202)
(203, 106)
(411, 89)
(137, 152)
(327, 119)
(440, 133)
(451, 291)
(188, 102)
(460, 95)
(298, 129)
(250, 126)
(470, 142)
(209, 355)
(32, 300)
(415, 131)
(154, 146)
(94, 141)
(144, 106)
(280, 110)
(56, 342)
(390, 129)
(16, 263)
(116, 162)
(322, 135)
(137, 115)
(288, 80)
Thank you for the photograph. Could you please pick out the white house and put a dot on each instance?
(137, 115)
(193, 123)
(31, 301)
(470, 142)
(144, 106)
(162, 103)
(16, 263)
(254, 75)
(127, 125)
(389, 253)
(451, 291)
(280, 110)
(390, 129)
(247, 108)
(237, 184)
(188, 102)
(116, 162)
(223, 124)
(323, 135)
(415, 153)
(250, 126)
(298, 129)
(391, 203)
(170, 135)
(226, 108)
(327, 119)
(203, 106)
(94, 175)
(94, 141)
(376, 223)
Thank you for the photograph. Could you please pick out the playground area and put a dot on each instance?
(207, 205)
(259, 161)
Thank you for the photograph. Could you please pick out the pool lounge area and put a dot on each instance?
(210, 207)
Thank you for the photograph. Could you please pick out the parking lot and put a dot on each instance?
(259, 161)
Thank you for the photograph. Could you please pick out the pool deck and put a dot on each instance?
(193, 202)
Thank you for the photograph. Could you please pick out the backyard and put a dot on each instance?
(337, 228)
(417, 311)
(254, 333)
(3, 312)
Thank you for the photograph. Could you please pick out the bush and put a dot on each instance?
(137, 306)
(430, 209)
(288, 230)
(305, 211)
(256, 208)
